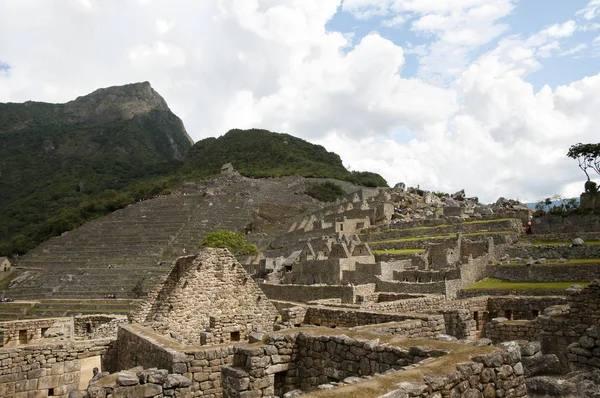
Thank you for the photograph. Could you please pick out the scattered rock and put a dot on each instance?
(482, 342)
(541, 365)
(255, 337)
(127, 379)
(577, 242)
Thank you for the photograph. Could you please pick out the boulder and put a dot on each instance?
(577, 242)
(255, 337)
(547, 386)
(460, 195)
(127, 379)
(541, 365)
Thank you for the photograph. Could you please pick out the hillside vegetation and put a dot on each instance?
(260, 153)
(62, 165)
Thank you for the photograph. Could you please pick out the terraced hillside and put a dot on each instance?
(398, 241)
(132, 248)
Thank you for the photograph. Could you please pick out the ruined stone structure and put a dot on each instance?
(233, 305)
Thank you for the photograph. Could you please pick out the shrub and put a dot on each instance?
(325, 192)
(236, 243)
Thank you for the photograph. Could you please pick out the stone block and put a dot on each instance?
(48, 382)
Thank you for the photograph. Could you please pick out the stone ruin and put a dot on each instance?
(187, 340)
(341, 314)
(234, 306)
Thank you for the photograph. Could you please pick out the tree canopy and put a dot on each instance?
(236, 243)
(588, 156)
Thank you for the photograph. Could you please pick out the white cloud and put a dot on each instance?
(222, 64)
(574, 50)
(591, 10)
(560, 30)
(459, 27)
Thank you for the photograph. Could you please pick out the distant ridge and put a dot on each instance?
(261, 153)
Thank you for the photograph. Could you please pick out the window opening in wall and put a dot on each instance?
(22, 336)
(341, 227)
(508, 314)
(51, 392)
(88, 327)
(185, 284)
(44, 330)
(234, 336)
(535, 313)
(279, 383)
(476, 317)
(1, 339)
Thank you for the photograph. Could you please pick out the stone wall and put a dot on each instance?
(45, 370)
(98, 326)
(227, 329)
(331, 317)
(572, 224)
(211, 283)
(524, 307)
(471, 293)
(499, 374)
(553, 251)
(501, 329)
(585, 353)
(139, 346)
(306, 293)
(301, 361)
(547, 272)
(460, 324)
(36, 331)
(156, 383)
(290, 362)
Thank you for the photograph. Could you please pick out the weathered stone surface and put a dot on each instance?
(541, 365)
(127, 379)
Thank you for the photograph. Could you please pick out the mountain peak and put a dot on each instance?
(117, 102)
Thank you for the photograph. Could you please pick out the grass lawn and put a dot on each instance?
(553, 261)
(398, 251)
(447, 236)
(562, 243)
(437, 226)
(494, 283)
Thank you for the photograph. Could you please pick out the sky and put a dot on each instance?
(481, 95)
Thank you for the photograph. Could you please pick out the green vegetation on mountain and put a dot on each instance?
(62, 165)
(235, 243)
(325, 192)
(261, 153)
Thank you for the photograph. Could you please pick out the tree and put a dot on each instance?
(588, 156)
(236, 243)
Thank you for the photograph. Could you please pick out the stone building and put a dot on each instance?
(5, 265)
(207, 296)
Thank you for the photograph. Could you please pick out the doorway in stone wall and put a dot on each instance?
(22, 336)
(279, 383)
(87, 367)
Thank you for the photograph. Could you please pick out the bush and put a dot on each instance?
(236, 243)
(591, 187)
(325, 192)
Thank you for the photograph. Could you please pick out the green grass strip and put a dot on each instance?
(499, 284)
(399, 251)
(439, 226)
(448, 236)
(563, 243)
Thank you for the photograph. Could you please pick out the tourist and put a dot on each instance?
(96, 374)
(528, 230)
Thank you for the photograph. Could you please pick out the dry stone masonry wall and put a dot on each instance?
(214, 281)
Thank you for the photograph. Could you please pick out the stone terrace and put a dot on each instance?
(110, 255)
